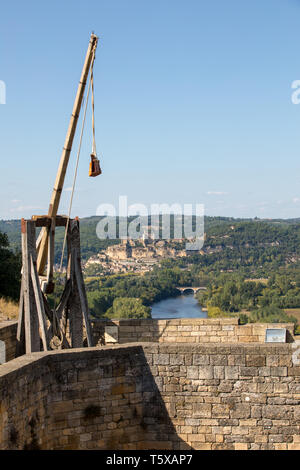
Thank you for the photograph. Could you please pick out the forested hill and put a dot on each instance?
(255, 246)
(229, 242)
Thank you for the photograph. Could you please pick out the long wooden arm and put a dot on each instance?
(60, 177)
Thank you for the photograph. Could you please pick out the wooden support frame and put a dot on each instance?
(38, 324)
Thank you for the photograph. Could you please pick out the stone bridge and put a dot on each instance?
(194, 289)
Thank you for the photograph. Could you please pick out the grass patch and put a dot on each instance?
(8, 309)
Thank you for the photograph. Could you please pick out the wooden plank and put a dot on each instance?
(32, 337)
(83, 301)
(48, 287)
(39, 303)
(60, 177)
(74, 305)
(39, 238)
(75, 313)
(20, 346)
(45, 220)
(64, 298)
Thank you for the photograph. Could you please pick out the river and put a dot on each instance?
(183, 306)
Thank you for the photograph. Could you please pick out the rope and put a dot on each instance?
(94, 151)
(75, 173)
(77, 161)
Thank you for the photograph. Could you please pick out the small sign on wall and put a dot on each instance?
(2, 352)
(275, 335)
(111, 334)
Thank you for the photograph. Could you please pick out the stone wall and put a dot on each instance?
(8, 334)
(185, 330)
(152, 396)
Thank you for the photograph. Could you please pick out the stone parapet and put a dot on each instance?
(184, 330)
(170, 396)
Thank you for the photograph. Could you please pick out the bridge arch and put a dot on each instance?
(188, 288)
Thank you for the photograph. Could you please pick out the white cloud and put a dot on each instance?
(296, 199)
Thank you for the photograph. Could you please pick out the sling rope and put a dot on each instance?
(77, 161)
(94, 151)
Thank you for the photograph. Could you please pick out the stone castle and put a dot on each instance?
(135, 255)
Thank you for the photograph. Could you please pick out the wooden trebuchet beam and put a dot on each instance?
(60, 177)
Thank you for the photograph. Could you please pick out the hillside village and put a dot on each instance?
(137, 256)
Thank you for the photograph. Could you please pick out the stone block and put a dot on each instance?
(272, 360)
(201, 446)
(274, 411)
(264, 371)
(218, 359)
(249, 371)
(240, 410)
(161, 359)
(280, 446)
(248, 422)
(280, 387)
(202, 410)
(255, 360)
(232, 372)
(236, 360)
(206, 372)
(240, 446)
(294, 446)
(62, 407)
(220, 411)
(177, 359)
(219, 372)
(192, 372)
(201, 359)
(196, 438)
(279, 371)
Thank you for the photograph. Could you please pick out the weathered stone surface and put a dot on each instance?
(153, 395)
(202, 410)
(206, 372)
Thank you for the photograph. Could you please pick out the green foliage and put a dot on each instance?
(234, 250)
(10, 270)
(297, 330)
(152, 287)
(243, 319)
(215, 312)
(128, 308)
(99, 302)
(271, 314)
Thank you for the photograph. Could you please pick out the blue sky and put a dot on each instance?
(193, 104)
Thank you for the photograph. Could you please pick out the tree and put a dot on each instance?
(10, 270)
(215, 312)
(99, 302)
(128, 308)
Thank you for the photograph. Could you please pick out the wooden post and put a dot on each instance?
(31, 323)
(20, 346)
(74, 305)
